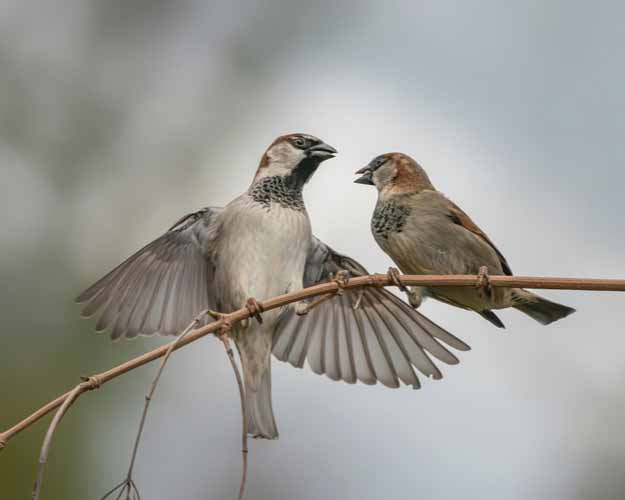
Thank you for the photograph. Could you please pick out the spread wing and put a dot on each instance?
(162, 287)
(368, 335)
(458, 216)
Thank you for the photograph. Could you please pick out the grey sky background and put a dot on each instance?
(118, 117)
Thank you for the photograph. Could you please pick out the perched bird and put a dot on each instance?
(426, 233)
(258, 246)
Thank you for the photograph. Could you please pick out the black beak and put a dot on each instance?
(366, 178)
(321, 151)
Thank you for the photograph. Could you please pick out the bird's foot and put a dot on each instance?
(483, 282)
(341, 279)
(415, 296)
(255, 308)
(394, 276)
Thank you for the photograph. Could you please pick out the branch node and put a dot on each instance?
(342, 280)
(225, 328)
(91, 382)
(226, 323)
(3, 441)
(214, 314)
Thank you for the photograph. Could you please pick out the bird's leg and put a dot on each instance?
(393, 275)
(483, 283)
(415, 295)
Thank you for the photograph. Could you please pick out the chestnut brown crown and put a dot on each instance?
(288, 152)
(394, 172)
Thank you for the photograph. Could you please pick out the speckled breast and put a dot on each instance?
(388, 218)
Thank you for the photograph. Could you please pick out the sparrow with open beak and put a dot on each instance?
(426, 233)
(260, 245)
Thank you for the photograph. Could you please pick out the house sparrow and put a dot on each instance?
(426, 233)
(260, 245)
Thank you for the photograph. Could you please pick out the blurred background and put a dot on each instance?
(118, 117)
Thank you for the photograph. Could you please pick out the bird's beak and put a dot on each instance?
(321, 151)
(366, 177)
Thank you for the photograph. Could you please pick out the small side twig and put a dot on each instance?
(45, 447)
(341, 279)
(128, 485)
(244, 450)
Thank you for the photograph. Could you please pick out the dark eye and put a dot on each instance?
(380, 161)
(300, 142)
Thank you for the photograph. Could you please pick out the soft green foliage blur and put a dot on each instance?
(75, 78)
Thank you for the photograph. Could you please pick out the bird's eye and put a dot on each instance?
(299, 142)
(380, 161)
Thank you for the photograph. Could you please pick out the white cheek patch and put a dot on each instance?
(283, 158)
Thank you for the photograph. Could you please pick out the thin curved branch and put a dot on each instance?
(47, 442)
(380, 280)
(244, 450)
(128, 485)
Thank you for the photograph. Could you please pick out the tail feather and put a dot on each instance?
(542, 310)
(254, 346)
(260, 419)
(492, 317)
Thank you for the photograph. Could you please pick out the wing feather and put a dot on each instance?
(397, 354)
(460, 217)
(381, 339)
(160, 288)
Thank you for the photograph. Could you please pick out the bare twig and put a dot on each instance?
(324, 288)
(128, 485)
(226, 341)
(314, 303)
(45, 447)
(341, 279)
